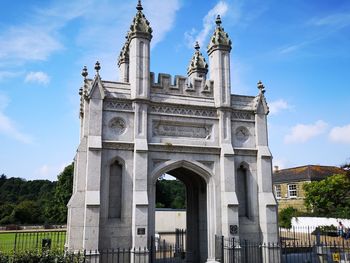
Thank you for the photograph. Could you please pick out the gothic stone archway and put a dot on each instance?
(131, 128)
(196, 218)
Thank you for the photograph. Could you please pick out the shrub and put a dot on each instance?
(285, 217)
(46, 256)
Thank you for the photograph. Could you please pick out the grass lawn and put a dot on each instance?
(20, 241)
(7, 241)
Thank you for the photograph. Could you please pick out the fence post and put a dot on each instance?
(233, 251)
(14, 248)
(222, 250)
(245, 251)
(151, 250)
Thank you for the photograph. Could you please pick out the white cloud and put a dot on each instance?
(280, 163)
(8, 74)
(161, 21)
(340, 134)
(27, 43)
(38, 37)
(304, 132)
(43, 171)
(4, 102)
(7, 126)
(221, 9)
(293, 48)
(278, 105)
(38, 77)
(338, 20)
(50, 172)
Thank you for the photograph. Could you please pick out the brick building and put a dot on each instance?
(288, 183)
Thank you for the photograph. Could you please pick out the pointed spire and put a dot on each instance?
(261, 87)
(197, 63)
(124, 53)
(220, 39)
(140, 25)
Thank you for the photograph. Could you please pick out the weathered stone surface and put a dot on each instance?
(193, 129)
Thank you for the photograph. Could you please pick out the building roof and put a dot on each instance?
(305, 173)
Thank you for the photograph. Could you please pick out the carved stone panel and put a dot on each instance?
(118, 105)
(175, 129)
(242, 115)
(118, 125)
(242, 134)
(182, 110)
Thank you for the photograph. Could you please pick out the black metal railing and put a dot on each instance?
(308, 234)
(32, 240)
(243, 251)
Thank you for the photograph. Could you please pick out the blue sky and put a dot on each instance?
(299, 49)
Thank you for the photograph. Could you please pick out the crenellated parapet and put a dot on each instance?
(195, 86)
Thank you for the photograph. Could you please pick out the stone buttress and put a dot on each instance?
(192, 127)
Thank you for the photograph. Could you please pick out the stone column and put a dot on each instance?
(139, 78)
(219, 69)
(267, 202)
(93, 165)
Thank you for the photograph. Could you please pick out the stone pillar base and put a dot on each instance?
(92, 256)
(139, 255)
(271, 254)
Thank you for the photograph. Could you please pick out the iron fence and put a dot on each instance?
(32, 240)
(233, 251)
(309, 234)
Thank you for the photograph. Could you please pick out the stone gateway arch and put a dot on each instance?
(135, 130)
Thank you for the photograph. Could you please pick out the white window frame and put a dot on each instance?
(291, 189)
(278, 193)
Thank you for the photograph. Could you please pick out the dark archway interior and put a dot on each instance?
(196, 213)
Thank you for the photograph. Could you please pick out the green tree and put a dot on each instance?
(27, 212)
(56, 209)
(170, 194)
(329, 197)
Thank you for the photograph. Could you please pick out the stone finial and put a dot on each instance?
(220, 39)
(97, 67)
(84, 72)
(197, 63)
(218, 20)
(140, 25)
(196, 46)
(261, 87)
(139, 6)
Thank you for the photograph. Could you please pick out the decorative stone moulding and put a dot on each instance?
(188, 130)
(118, 125)
(242, 134)
(183, 110)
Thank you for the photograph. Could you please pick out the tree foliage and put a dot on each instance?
(170, 194)
(37, 201)
(329, 197)
(285, 217)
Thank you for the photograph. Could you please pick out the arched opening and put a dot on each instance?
(196, 240)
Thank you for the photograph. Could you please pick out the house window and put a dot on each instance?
(292, 190)
(278, 191)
